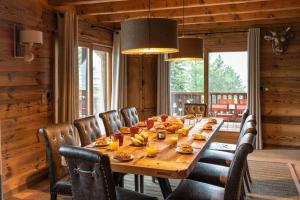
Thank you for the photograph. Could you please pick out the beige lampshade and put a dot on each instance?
(149, 36)
(31, 37)
(189, 49)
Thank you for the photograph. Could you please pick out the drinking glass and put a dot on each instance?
(114, 144)
(151, 149)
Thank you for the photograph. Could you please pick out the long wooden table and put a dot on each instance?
(168, 164)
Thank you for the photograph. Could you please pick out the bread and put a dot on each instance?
(212, 121)
(125, 129)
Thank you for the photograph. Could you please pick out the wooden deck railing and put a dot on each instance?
(226, 105)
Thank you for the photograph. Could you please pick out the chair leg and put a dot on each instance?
(246, 181)
(53, 196)
(248, 173)
(136, 183)
(141, 184)
(153, 179)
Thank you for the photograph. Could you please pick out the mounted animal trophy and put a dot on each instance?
(280, 40)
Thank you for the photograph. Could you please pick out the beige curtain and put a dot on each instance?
(254, 103)
(119, 75)
(66, 70)
(163, 86)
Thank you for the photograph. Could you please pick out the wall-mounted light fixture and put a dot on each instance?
(24, 42)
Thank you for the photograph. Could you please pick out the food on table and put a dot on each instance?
(159, 126)
(190, 116)
(185, 148)
(199, 136)
(161, 134)
(140, 139)
(114, 145)
(122, 156)
(175, 121)
(166, 124)
(151, 150)
(155, 118)
(212, 121)
(183, 131)
(141, 124)
(125, 129)
(172, 128)
(101, 141)
(207, 127)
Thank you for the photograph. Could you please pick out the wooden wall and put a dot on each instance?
(281, 103)
(24, 106)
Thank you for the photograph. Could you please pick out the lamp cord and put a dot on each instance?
(149, 23)
(183, 18)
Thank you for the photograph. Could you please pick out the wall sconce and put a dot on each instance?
(24, 42)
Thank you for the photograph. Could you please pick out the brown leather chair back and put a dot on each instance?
(88, 129)
(91, 174)
(130, 116)
(244, 117)
(111, 121)
(56, 136)
(237, 167)
(195, 108)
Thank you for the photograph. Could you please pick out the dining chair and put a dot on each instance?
(195, 108)
(56, 136)
(111, 121)
(213, 173)
(91, 176)
(232, 147)
(196, 190)
(130, 116)
(88, 129)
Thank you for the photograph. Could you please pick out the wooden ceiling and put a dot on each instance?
(200, 15)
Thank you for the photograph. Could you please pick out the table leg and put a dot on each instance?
(141, 184)
(165, 186)
(136, 183)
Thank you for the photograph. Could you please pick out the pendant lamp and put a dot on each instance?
(190, 48)
(149, 36)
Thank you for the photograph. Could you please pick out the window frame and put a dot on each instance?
(90, 94)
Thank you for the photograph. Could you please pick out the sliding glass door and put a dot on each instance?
(83, 64)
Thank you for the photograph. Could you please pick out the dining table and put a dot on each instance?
(168, 163)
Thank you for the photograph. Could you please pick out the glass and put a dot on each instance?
(114, 144)
(119, 137)
(134, 130)
(186, 84)
(164, 117)
(229, 99)
(173, 139)
(100, 63)
(150, 123)
(151, 149)
(83, 55)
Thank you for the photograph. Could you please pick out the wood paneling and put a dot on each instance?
(24, 87)
(142, 84)
(280, 81)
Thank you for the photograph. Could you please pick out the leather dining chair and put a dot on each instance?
(111, 121)
(88, 129)
(56, 136)
(91, 177)
(130, 116)
(197, 190)
(213, 173)
(195, 108)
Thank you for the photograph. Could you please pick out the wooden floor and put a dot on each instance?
(271, 154)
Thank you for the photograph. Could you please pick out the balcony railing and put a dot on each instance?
(226, 105)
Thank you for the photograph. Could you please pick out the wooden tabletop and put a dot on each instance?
(167, 163)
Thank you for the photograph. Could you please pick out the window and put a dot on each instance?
(187, 84)
(94, 63)
(228, 76)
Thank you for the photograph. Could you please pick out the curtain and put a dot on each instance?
(163, 86)
(119, 75)
(254, 80)
(66, 70)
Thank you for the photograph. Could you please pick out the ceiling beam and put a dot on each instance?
(250, 7)
(136, 6)
(78, 2)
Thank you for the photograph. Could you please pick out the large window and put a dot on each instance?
(187, 84)
(93, 65)
(226, 93)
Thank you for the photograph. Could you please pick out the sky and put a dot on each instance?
(237, 60)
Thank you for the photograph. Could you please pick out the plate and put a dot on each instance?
(100, 145)
(124, 160)
(204, 138)
(182, 152)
